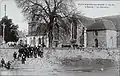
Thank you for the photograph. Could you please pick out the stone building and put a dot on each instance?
(116, 21)
(98, 32)
(37, 34)
(102, 34)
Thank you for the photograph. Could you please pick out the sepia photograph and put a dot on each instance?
(59, 38)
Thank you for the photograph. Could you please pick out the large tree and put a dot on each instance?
(10, 30)
(54, 13)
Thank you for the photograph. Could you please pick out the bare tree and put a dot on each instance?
(50, 12)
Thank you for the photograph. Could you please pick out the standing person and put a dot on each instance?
(35, 52)
(30, 51)
(23, 59)
(27, 52)
(38, 51)
(3, 62)
(20, 53)
(15, 55)
(41, 52)
(8, 65)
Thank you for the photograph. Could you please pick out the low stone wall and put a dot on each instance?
(93, 58)
(91, 53)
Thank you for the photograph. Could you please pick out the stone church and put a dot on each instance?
(101, 33)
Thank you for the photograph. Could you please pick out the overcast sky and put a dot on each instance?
(111, 8)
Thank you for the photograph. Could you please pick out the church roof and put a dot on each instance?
(102, 24)
(115, 19)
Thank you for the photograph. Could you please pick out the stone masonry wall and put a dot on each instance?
(101, 38)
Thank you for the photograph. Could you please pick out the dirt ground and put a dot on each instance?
(51, 66)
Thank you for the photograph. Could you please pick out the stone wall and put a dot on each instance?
(91, 53)
(106, 38)
(111, 38)
(101, 38)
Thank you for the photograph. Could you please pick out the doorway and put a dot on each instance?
(96, 42)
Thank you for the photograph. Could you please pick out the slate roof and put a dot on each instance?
(102, 24)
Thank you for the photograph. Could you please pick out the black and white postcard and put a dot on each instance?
(59, 38)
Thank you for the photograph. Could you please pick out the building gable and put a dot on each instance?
(102, 25)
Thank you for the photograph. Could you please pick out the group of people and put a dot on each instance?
(28, 52)
(6, 65)
(23, 53)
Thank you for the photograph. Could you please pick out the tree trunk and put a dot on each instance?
(50, 36)
(50, 33)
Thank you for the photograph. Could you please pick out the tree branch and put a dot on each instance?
(48, 6)
(40, 6)
(43, 16)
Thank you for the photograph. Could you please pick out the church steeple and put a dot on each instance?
(5, 9)
(4, 25)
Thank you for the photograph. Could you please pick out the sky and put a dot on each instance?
(14, 13)
(92, 11)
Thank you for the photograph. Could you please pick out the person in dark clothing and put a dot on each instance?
(32, 51)
(41, 52)
(35, 52)
(8, 65)
(15, 55)
(3, 62)
(38, 51)
(20, 53)
(29, 51)
(26, 52)
(23, 59)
